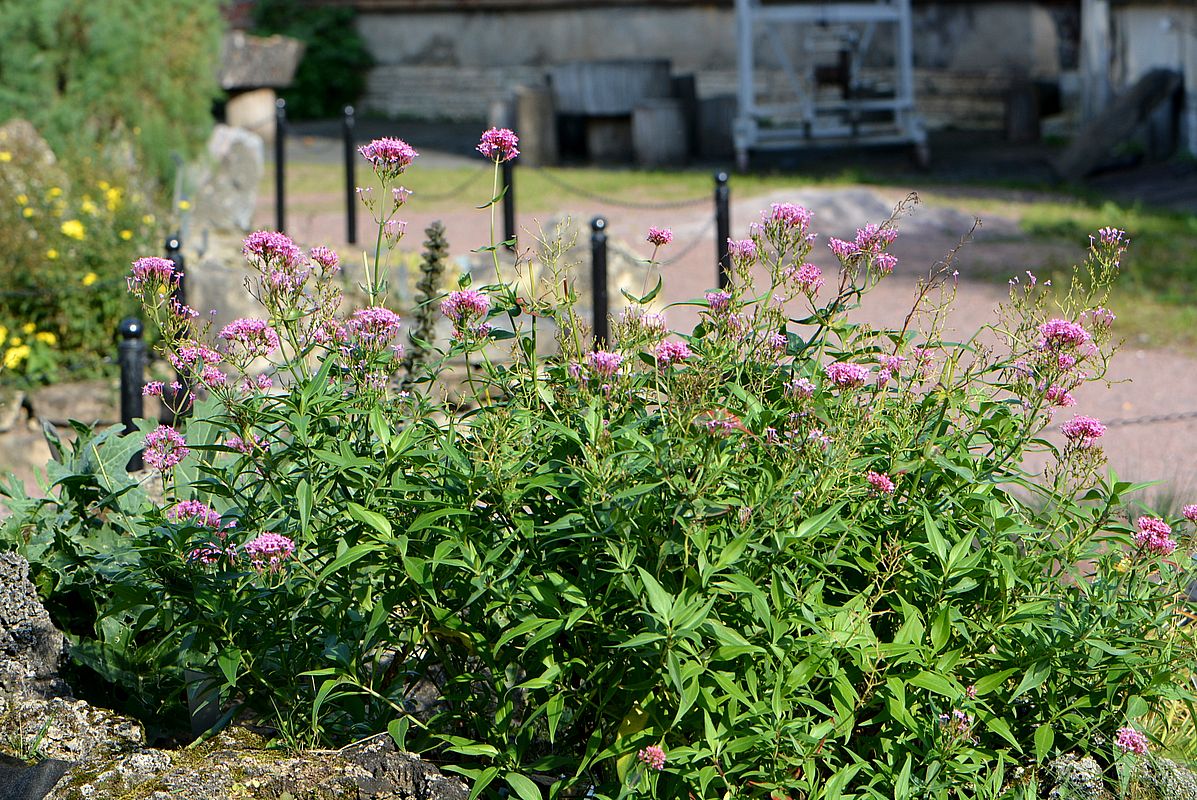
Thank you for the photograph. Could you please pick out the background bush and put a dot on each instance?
(134, 79)
(333, 71)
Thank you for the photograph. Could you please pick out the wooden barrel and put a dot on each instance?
(659, 133)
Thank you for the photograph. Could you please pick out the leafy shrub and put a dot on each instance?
(335, 61)
(784, 555)
(65, 239)
(118, 74)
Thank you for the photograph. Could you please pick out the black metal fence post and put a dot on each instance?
(280, 164)
(598, 278)
(350, 181)
(131, 357)
(722, 227)
(177, 403)
(509, 204)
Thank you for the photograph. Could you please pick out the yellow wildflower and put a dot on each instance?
(15, 355)
(113, 198)
(1122, 566)
(74, 229)
(90, 278)
(22, 199)
(51, 254)
(3, 333)
(103, 186)
(54, 192)
(5, 156)
(88, 207)
(126, 235)
(148, 219)
(184, 205)
(27, 213)
(16, 341)
(28, 328)
(46, 337)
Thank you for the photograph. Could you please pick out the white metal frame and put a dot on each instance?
(810, 120)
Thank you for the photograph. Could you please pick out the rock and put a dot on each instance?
(1078, 777)
(216, 281)
(20, 781)
(85, 401)
(30, 647)
(253, 111)
(228, 182)
(67, 729)
(12, 402)
(19, 136)
(252, 62)
(1164, 779)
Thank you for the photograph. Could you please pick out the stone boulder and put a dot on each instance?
(227, 182)
(30, 647)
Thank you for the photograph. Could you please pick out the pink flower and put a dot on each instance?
(499, 145)
(394, 230)
(808, 278)
(1084, 431)
(718, 301)
(880, 483)
(463, 306)
(1100, 317)
(659, 237)
(603, 363)
(152, 389)
(742, 249)
(847, 376)
(243, 447)
(1190, 513)
(207, 554)
(373, 329)
(1058, 333)
(269, 551)
(164, 448)
(1154, 536)
(195, 512)
(253, 337)
(653, 756)
(389, 156)
(153, 272)
(671, 352)
(800, 389)
(1059, 396)
(274, 249)
(790, 215)
(1112, 236)
(873, 238)
(190, 355)
(843, 250)
(328, 259)
(1129, 740)
(885, 263)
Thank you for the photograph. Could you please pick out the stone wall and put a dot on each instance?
(454, 65)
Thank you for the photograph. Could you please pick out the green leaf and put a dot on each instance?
(1044, 738)
(937, 684)
(371, 518)
(1034, 678)
(351, 554)
(660, 600)
(229, 662)
(992, 681)
(398, 731)
(523, 786)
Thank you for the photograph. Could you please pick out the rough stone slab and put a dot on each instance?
(253, 62)
(1097, 139)
(30, 647)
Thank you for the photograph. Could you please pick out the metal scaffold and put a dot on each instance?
(831, 73)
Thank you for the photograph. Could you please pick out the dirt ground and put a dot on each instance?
(1150, 404)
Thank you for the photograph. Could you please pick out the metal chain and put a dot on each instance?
(574, 189)
(456, 190)
(700, 238)
(1146, 419)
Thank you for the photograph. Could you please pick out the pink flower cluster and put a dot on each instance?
(889, 365)
(192, 356)
(800, 389)
(604, 364)
(957, 725)
(153, 273)
(165, 448)
(871, 240)
(1059, 396)
(244, 447)
(790, 215)
(741, 249)
(718, 301)
(1155, 536)
(389, 156)
(879, 483)
(373, 329)
(269, 551)
(1083, 431)
(671, 352)
(252, 337)
(653, 756)
(467, 309)
(807, 277)
(1129, 740)
(1189, 513)
(499, 145)
(847, 376)
(272, 247)
(1057, 334)
(326, 258)
(197, 513)
(659, 237)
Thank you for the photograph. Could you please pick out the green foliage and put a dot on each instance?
(66, 239)
(333, 71)
(799, 580)
(121, 74)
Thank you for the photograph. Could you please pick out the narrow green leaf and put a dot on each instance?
(523, 786)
